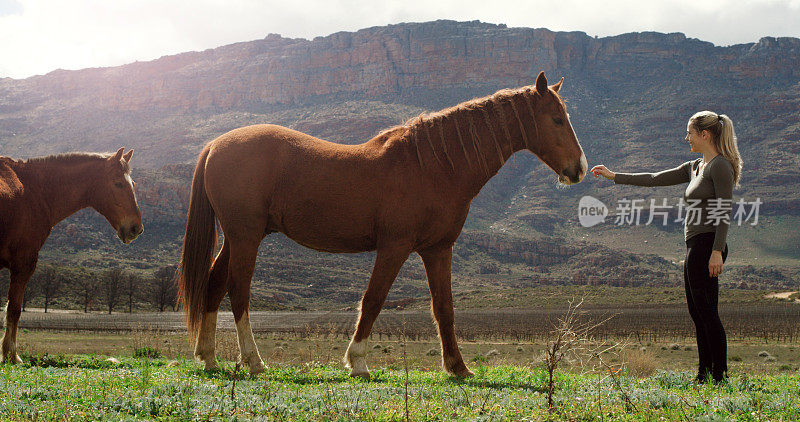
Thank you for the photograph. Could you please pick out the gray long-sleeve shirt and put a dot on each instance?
(708, 185)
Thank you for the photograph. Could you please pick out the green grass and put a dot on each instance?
(87, 387)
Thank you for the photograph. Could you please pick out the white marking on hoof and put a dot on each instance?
(248, 352)
(357, 374)
(210, 365)
(11, 358)
(9, 351)
(257, 368)
(354, 359)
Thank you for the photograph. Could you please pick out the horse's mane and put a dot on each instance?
(472, 104)
(76, 158)
(419, 128)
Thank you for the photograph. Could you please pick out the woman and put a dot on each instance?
(710, 190)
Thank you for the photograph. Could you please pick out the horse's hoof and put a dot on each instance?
(362, 375)
(12, 360)
(466, 373)
(462, 372)
(258, 368)
(210, 366)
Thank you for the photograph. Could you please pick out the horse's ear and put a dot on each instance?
(557, 86)
(118, 155)
(127, 156)
(541, 83)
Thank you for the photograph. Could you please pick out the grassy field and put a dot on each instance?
(88, 387)
(66, 374)
(641, 357)
(305, 380)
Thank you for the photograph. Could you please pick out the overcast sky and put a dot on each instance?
(38, 36)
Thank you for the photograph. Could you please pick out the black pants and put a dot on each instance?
(702, 296)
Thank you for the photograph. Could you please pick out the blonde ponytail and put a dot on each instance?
(720, 127)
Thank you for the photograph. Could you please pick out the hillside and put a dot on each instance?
(629, 97)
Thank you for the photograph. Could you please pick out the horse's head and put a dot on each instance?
(113, 196)
(557, 145)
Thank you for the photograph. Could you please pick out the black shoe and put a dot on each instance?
(720, 378)
(719, 373)
(702, 377)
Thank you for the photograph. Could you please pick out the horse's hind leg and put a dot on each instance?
(240, 273)
(217, 287)
(437, 267)
(16, 290)
(387, 264)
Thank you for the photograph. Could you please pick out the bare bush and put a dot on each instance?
(163, 290)
(85, 288)
(131, 289)
(49, 282)
(571, 341)
(111, 286)
(639, 363)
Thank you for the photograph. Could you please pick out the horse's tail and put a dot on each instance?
(199, 246)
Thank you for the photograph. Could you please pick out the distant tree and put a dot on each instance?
(131, 289)
(163, 291)
(33, 289)
(49, 283)
(112, 286)
(85, 287)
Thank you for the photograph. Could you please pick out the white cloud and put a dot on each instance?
(37, 36)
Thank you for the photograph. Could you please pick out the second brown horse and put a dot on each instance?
(36, 194)
(406, 190)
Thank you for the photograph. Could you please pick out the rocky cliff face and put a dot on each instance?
(394, 60)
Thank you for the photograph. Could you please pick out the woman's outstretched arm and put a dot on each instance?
(676, 176)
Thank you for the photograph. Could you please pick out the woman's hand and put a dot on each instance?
(715, 264)
(601, 170)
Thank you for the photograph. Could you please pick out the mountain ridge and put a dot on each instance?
(276, 36)
(383, 60)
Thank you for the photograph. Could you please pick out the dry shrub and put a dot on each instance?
(147, 337)
(639, 363)
(311, 353)
(278, 354)
(227, 346)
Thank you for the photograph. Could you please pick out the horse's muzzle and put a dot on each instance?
(574, 174)
(129, 232)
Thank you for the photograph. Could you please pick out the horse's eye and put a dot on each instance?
(119, 185)
(558, 121)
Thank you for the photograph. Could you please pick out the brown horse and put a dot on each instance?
(406, 190)
(38, 193)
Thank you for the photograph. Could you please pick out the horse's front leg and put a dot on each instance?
(388, 262)
(437, 267)
(20, 275)
(240, 272)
